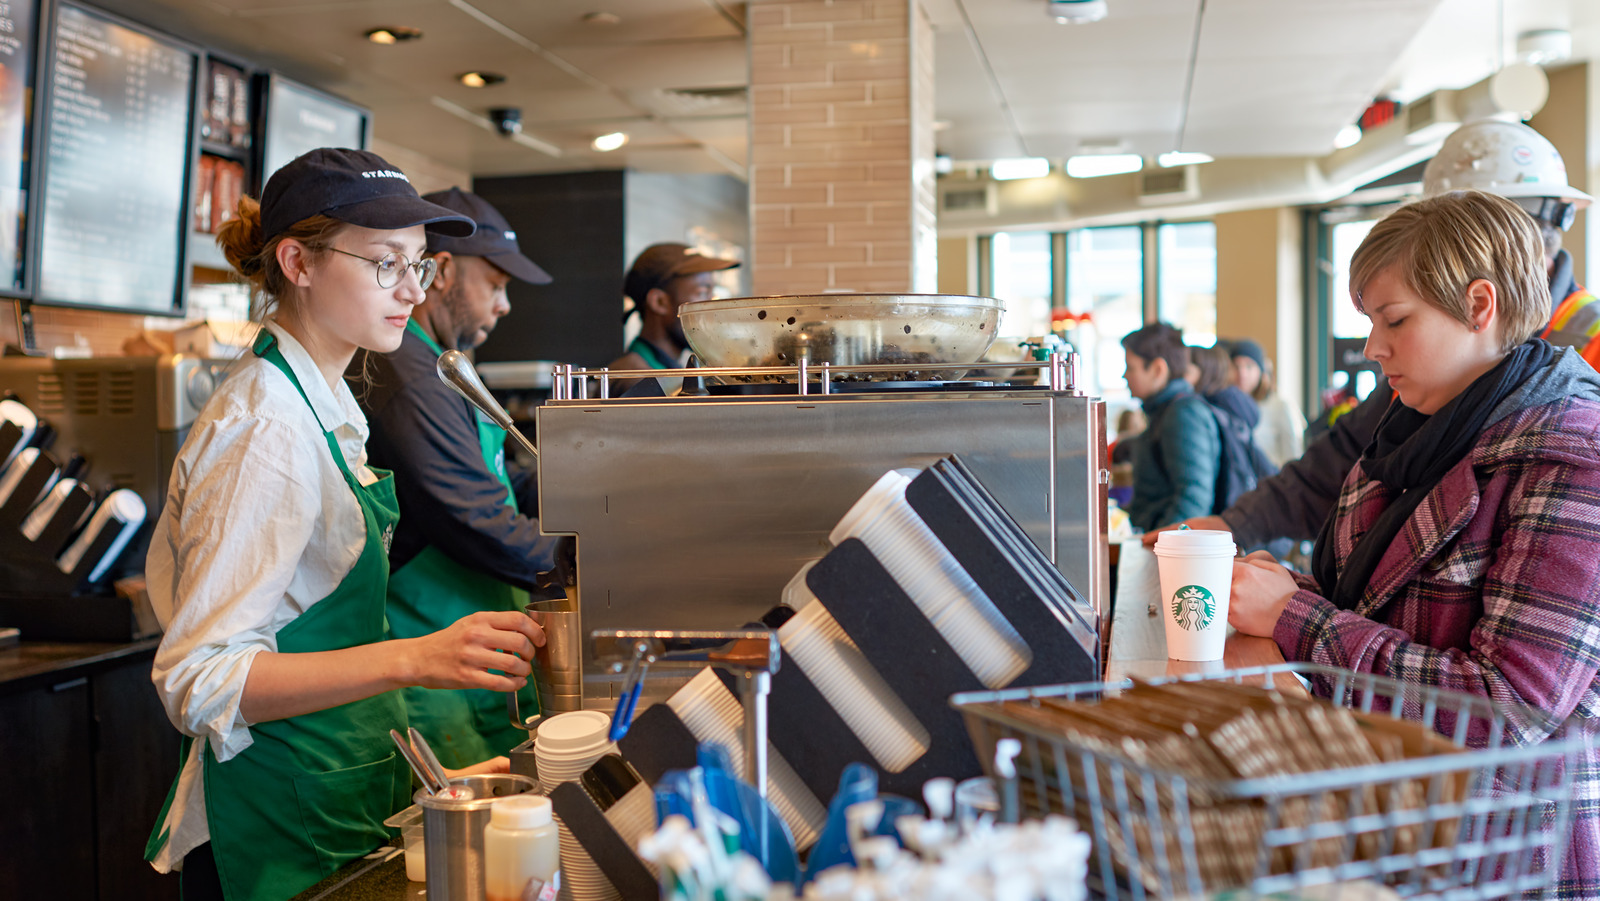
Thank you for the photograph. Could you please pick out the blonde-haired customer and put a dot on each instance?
(1464, 550)
(1281, 432)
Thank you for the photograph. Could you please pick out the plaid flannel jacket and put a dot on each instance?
(1492, 588)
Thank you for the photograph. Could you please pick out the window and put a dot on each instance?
(1344, 320)
(1105, 278)
(1187, 279)
(1022, 279)
(1104, 289)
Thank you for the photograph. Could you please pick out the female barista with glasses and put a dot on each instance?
(269, 564)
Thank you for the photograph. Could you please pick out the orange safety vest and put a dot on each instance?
(1576, 323)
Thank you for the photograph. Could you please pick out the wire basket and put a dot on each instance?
(1469, 816)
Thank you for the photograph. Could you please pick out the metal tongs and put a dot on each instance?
(752, 654)
(425, 764)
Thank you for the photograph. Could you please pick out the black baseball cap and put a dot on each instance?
(354, 186)
(494, 240)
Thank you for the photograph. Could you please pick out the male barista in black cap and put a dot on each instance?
(663, 278)
(463, 543)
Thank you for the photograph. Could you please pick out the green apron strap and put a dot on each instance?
(651, 355)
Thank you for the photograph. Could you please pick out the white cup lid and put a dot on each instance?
(1201, 540)
(572, 731)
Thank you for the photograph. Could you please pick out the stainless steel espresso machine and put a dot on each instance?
(694, 511)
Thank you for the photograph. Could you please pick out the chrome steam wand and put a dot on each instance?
(456, 371)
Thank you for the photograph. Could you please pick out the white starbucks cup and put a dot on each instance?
(1196, 568)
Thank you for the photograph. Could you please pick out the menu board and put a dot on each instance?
(117, 148)
(301, 119)
(17, 40)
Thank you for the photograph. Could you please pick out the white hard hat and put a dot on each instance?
(1505, 158)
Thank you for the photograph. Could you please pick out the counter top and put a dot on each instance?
(1138, 645)
(31, 663)
(380, 876)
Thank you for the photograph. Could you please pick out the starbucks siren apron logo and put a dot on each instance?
(1193, 607)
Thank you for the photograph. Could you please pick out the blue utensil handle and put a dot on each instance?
(623, 717)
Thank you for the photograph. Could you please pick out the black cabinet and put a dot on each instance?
(89, 755)
(45, 742)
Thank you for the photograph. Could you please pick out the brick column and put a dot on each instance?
(841, 147)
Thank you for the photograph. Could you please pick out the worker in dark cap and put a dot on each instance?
(463, 543)
(663, 278)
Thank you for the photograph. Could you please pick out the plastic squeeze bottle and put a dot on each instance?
(521, 853)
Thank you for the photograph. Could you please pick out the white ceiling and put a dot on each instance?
(1225, 77)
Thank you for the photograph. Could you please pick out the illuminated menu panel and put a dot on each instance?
(118, 145)
(17, 40)
(300, 119)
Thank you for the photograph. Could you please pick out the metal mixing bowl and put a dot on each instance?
(843, 330)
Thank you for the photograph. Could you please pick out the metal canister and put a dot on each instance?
(452, 833)
(558, 666)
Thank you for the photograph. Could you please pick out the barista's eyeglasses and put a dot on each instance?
(392, 266)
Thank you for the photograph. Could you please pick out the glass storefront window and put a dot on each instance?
(1022, 279)
(1344, 320)
(1105, 278)
(1187, 279)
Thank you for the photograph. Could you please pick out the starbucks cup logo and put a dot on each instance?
(1193, 608)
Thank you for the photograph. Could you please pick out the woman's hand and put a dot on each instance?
(1214, 523)
(461, 655)
(1261, 589)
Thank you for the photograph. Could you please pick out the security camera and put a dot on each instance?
(507, 120)
(1076, 11)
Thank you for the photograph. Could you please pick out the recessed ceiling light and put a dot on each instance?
(602, 18)
(1179, 158)
(394, 34)
(1095, 165)
(610, 142)
(480, 79)
(1020, 167)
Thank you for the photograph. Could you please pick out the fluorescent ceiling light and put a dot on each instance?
(1098, 164)
(606, 143)
(1021, 167)
(1179, 158)
(1350, 135)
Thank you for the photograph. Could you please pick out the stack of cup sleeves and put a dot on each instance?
(567, 744)
(626, 800)
(933, 580)
(844, 677)
(711, 713)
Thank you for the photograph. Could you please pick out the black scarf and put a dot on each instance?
(1411, 453)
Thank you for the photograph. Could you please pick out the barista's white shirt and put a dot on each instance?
(258, 525)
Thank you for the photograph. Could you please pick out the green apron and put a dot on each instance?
(430, 592)
(311, 792)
